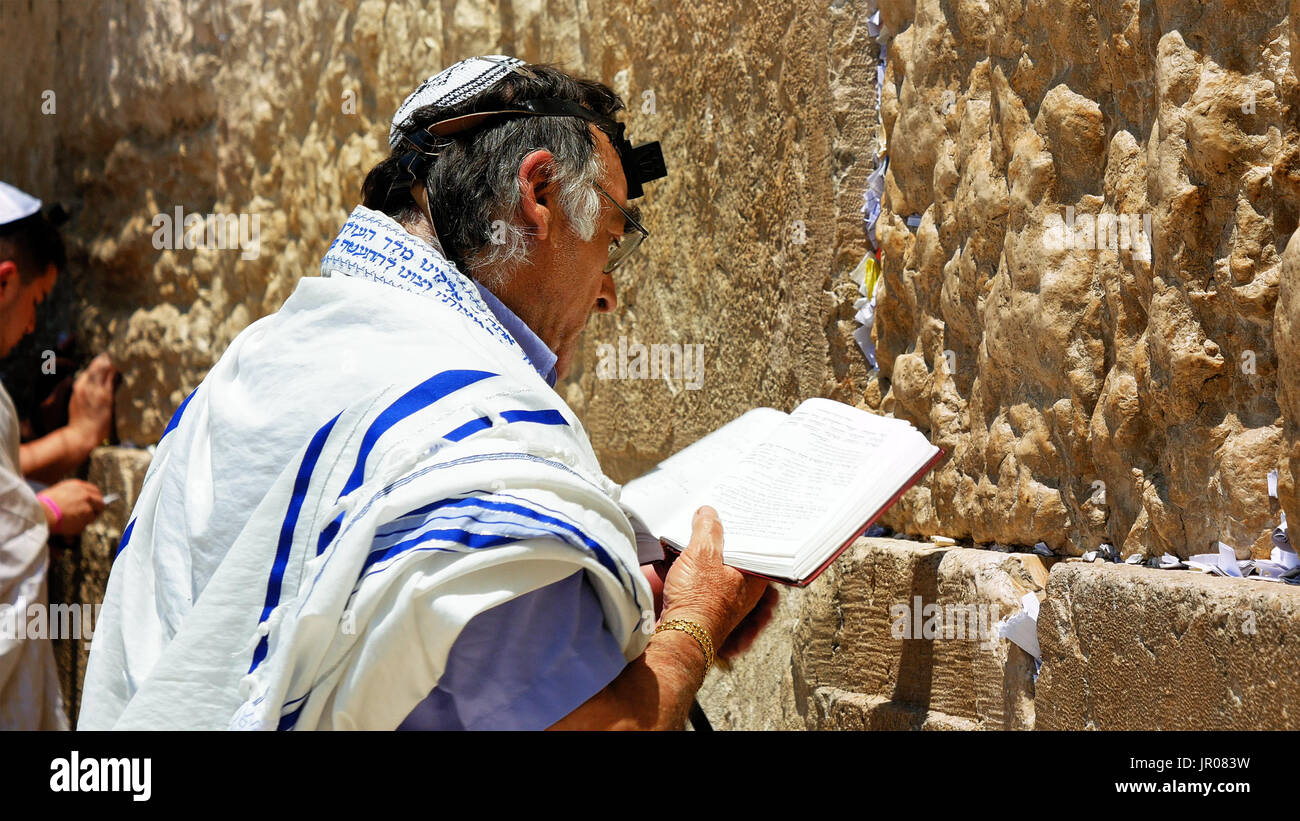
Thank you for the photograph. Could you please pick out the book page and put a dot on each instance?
(669, 493)
(796, 496)
(798, 477)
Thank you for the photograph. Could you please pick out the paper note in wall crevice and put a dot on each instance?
(1222, 563)
(1228, 561)
(865, 277)
(1022, 628)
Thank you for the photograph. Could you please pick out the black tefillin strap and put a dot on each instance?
(415, 163)
(641, 163)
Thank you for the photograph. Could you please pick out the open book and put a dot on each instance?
(792, 490)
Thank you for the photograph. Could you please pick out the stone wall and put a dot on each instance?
(766, 119)
(1139, 649)
(1094, 395)
(277, 109)
(1084, 395)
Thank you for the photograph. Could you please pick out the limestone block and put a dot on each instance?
(831, 660)
(757, 692)
(1131, 648)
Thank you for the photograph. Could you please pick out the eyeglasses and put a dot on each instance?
(634, 233)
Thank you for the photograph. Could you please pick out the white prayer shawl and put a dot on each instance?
(359, 475)
(30, 698)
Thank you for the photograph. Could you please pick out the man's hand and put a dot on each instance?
(747, 631)
(655, 573)
(90, 410)
(655, 690)
(90, 422)
(80, 503)
(701, 588)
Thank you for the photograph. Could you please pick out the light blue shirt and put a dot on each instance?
(542, 358)
(528, 663)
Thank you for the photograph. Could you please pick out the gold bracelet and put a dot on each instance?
(695, 631)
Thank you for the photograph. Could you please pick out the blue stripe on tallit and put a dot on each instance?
(126, 537)
(462, 518)
(413, 401)
(540, 417)
(552, 527)
(419, 517)
(328, 533)
(470, 427)
(176, 417)
(467, 460)
(289, 719)
(300, 485)
(464, 538)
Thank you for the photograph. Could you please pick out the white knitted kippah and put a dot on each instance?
(453, 85)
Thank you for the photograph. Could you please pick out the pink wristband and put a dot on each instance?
(48, 502)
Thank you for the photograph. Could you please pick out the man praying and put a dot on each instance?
(376, 512)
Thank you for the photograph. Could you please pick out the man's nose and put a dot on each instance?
(607, 301)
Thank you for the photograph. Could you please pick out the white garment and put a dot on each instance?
(30, 698)
(340, 497)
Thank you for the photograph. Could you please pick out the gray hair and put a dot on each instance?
(509, 244)
(473, 184)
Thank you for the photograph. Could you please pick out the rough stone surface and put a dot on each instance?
(766, 120)
(1167, 379)
(79, 576)
(1133, 648)
(852, 672)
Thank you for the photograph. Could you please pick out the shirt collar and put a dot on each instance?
(542, 358)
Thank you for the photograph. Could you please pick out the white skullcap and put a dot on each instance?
(453, 85)
(15, 204)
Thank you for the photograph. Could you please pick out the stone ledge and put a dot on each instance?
(835, 709)
(1131, 648)
(1123, 647)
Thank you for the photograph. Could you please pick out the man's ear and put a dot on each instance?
(9, 279)
(536, 206)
